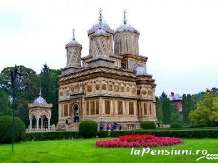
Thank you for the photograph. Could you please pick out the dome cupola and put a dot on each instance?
(40, 100)
(100, 38)
(139, 71)
(73, 50)
(126, 39)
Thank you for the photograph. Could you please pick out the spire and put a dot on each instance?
(100, 15)
(73, 38)
(124, 18)
(40, 92)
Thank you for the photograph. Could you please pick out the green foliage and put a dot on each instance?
(102, 134)
(88, 129)
(39, 136)
(207, 111)
(191, 133)
(187, 106)
(49, 83)
(166, 107)
(175, 125)
(6, 129)
(5, 108)
(148, 125)
(174, 113)
(27, 89)
(159, 111)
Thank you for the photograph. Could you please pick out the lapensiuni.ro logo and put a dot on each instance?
(166, 152)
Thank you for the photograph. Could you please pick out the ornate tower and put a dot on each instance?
(126, 39)
(100, 39)
(73, 49)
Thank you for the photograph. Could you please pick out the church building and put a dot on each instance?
(110, 85)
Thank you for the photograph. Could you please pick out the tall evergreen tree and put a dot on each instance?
(49, 85)
(166, 110)
(159, 111)
(187, 106)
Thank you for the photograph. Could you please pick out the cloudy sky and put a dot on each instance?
(180, 38)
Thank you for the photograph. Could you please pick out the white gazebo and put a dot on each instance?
(41, 111)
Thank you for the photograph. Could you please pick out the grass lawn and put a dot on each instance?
(85, 151)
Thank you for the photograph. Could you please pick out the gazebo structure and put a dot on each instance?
(41, 111)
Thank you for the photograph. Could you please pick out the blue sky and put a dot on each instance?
(180, 38)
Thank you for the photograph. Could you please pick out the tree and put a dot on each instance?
(159, 111)
(26, 89)
(166, 110)
(174, 113)
(187, 106)
(5, 105)
(196, 98)
(207, 110)
(49, 83)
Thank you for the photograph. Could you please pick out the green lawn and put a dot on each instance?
(85, 151)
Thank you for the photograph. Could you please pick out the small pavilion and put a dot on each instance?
(40, 113)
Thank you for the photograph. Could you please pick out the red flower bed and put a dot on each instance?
(145, 140)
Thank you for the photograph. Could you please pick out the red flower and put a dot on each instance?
(145, 140)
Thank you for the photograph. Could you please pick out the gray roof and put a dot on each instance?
(139, 71)
(73, 43)
(126, 27)
(40, 100)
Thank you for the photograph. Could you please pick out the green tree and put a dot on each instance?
(207, 110)
(5, 105)
(174, 113)
(197, 98)
(26, 89)
(166, 110)
(159, 111)
(49, 83)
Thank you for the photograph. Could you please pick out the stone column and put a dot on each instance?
(49, 123)
(31, 119)
(41, 123)
(37, 123)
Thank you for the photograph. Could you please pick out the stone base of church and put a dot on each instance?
(103, 122)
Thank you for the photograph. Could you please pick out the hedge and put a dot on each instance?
(39, 136)
(148, 125)
(210, 133)
(36, 136)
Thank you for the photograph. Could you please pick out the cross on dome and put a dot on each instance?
(73, 38)
(124, 18)
(100, 15)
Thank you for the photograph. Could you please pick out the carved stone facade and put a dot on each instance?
(110, 87)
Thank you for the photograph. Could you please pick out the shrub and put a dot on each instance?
(175, 125)
(39, 136)
(102, 134)
(6, 129)
(148, 125)
(88, 129)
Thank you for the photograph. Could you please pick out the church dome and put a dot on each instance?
(139, 71)
(40, 100)
(126, 27)
(73, 42)
(101, 28)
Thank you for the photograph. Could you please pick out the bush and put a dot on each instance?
(197, 133)
(6, 129)
(148, 125)
(102, 134)
(88, 129)
(175, 125)
(39, 136)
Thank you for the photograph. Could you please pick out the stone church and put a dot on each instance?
(112, 85)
